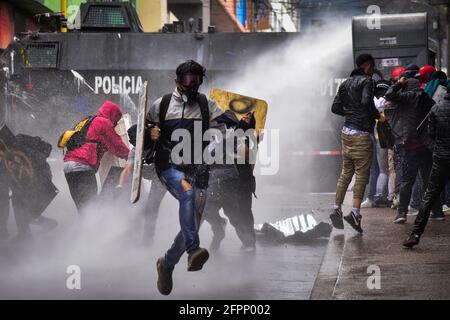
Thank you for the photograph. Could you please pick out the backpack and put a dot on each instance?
(75, 138)
(386, 137)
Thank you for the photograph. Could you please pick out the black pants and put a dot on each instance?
(229, 192)
(4, 207)
(21, 213)
(440, 174)
(83, 188)
(413, 162)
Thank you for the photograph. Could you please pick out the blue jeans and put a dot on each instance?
(374, 171)
(191, 203)
(447, 194)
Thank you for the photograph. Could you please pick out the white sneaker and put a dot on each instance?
(367, 203)
(412, 211)
(446, 209)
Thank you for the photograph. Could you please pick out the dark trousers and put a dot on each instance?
(417, 192)
(4, 208)
(234, 195)
(398, 168)
(412, 162)
(440, 174)
(83, 188)
(21, 213)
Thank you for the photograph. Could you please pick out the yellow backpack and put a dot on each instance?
(75, 138)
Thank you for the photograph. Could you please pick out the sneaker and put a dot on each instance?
(400, 218)
(354, 220)
(336, 219)
(248, 248)
(412, 211)
(437, 216)
(368, 203)
(445, 209)
(394, 202)
(165, 282)
(197, 259)
(218, 236)
(380, 202)
(413, 240)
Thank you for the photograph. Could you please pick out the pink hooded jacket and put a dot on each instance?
(101, 137)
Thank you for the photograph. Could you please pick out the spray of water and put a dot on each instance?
(106, 244)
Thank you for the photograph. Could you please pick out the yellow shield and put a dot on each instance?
(241, 105)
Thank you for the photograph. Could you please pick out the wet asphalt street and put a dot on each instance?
(115, 264)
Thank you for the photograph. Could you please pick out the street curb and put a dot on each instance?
(328, 275)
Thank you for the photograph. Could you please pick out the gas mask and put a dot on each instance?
(188, 86)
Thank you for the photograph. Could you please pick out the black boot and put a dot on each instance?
(165, 282)
(197, 259)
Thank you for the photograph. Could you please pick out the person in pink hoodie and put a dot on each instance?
(81, 164)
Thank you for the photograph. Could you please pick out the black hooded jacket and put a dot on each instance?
(439, 128)
(354, 101)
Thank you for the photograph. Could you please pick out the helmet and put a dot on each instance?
(425, 74)
(397, 72)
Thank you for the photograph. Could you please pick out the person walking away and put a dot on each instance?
(355, 101)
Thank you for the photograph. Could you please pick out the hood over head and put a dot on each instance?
(413, 84)
(111, 111)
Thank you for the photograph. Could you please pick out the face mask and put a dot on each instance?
(191, 82)
(190, 94)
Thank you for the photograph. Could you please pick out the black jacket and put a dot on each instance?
(410, 109)
(354, 101)
(439, 128)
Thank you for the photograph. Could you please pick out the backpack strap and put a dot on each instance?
(86, 126)
(163, 107)
(204, 108)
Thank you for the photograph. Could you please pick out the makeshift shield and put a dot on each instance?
(22, 172)
(241, 105)
(137, 169)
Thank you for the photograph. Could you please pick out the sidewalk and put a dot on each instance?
(421, 273)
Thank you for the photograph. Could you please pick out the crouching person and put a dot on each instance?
(86, 149)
